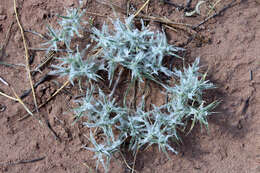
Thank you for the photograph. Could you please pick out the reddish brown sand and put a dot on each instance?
(232, 144)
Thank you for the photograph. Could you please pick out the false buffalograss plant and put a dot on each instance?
(70, 26)
(185, 98)
(141, 52)
(75, 67)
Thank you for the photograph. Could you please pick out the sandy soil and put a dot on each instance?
(229, 51)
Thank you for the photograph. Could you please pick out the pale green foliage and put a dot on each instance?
(88, 106)
(142, 52)
(185, 98)
(75, 67)
(104, 152)
(158, 126)
(54, 39)
(102, 113)
(70, 26)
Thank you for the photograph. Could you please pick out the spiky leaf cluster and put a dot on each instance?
(75, 67)
(104, 152)
(70, 26)
(140, 127)
(142, 51)
(102, 113)
(186, 98)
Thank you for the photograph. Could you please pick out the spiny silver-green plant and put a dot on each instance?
(75, 67)
(107, 113)
(142, 52)
(54, 39)
(158, 126)
(104, 152)
(186, 98)
(87, 106)
(104, 114)
(70, 26)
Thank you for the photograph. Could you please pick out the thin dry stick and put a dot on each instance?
(171, 28)
(175, 30)
(89, 168)
(164, 20)
(116, 83)
(146, 9)
(11, 65)
(127, 7)
(95, 14)
(101, 15)
(26, 56)
(51, 97)
(113, 9)
(46, 59)
(180, 26)
(135, 159)
(21, 102)
(10, 97)
(23, 161)
(141, 8)
(126, 162)
(52, 131)
(98, 52)
(3, 81)
(145, 17)
(30, 161)
(213, 7)
(214, 15)
(3, 46)
(17, 97)
(45, 49)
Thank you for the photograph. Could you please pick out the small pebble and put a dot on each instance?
(219, 41)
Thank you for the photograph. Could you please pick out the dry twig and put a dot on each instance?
(12, 98)
(3, 46)
(24, 161)
(141, 8)
(21, 102)
(7, 96)
(116, 83)
(26, 56)
(126, 162)
(135, 159)
(215, 15)
(46, 59)
(89, 168)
